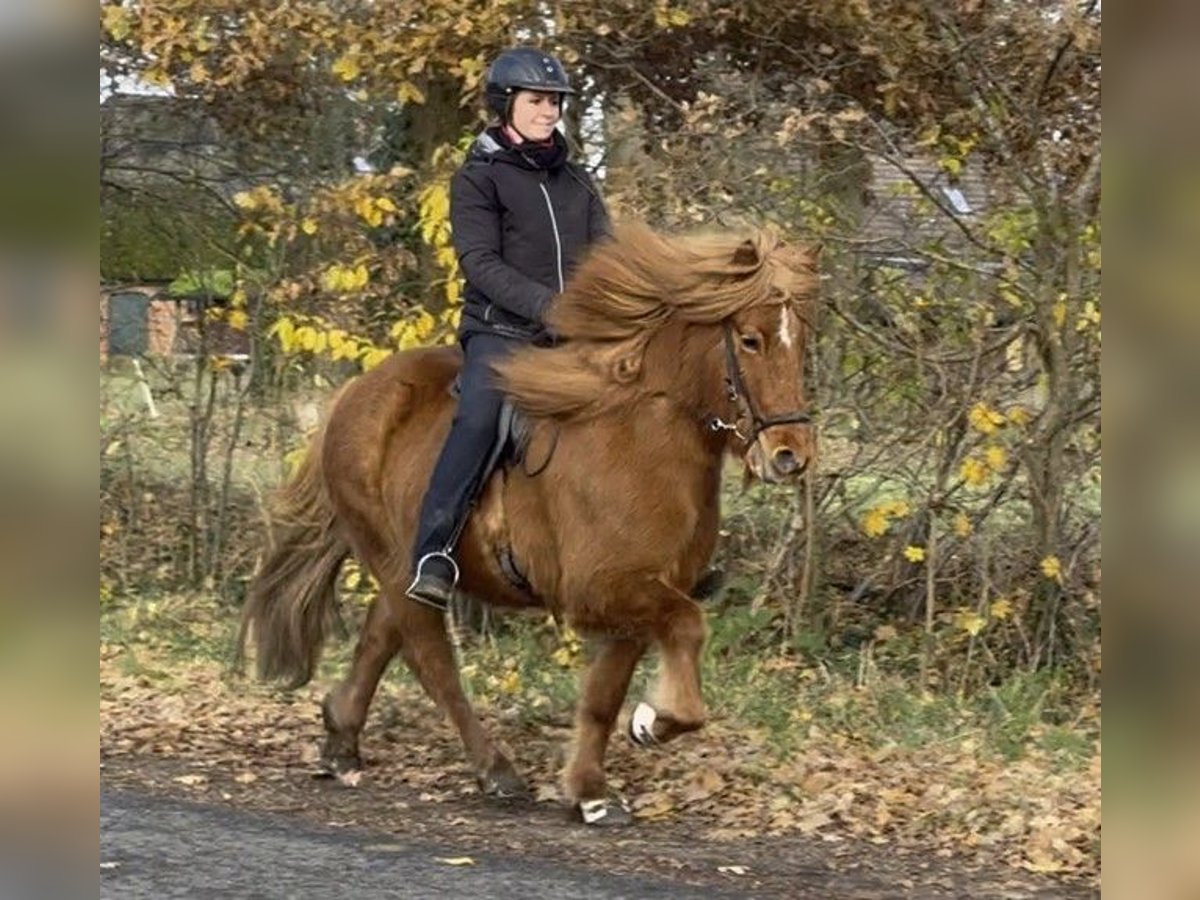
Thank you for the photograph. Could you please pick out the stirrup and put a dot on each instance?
(436, 599)
(439, 554)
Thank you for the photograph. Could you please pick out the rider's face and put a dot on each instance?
(535, 113)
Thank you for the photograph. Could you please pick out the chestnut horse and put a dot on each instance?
(677, 351)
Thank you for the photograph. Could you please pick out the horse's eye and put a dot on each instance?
(751, 343)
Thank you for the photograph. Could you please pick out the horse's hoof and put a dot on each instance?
(605, 813)
(339, 766)
(504, 784)
(641, 725)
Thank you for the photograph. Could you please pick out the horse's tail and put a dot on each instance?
(293, 600)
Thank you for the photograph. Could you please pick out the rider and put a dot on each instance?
(521, 216)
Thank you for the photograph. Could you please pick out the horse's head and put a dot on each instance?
(764, 348)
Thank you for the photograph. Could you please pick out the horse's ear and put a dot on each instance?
(746, 254)
(815, 251)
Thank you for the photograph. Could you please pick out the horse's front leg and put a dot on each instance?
(604, 687)
(675, 705)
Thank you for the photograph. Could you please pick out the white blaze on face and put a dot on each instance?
(785, 326)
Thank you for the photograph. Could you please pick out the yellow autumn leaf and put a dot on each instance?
(409, 92)
(346, 67)
(198, 72)
(424, 325)
(1001, 609)
(345, 348)
(408, 337)
(962, 525)
(974, 472)
(914, 554)
(115, 20)
(896, 509)
(511, 682)
(434, 210)
(970, 622)
(373, 356)
(285, 330)
(385, 204)
(984, 419)
(1051, 567)
(1090, 317)
(1059, 311)
(309, 226)
(368, 211)
(157, 77)
(447, 258)
(238, 319)
(1019, 416)
(563, 656)
(995, 457)
(874, 523)
(306, 338)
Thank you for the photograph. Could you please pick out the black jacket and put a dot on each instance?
(520, 222)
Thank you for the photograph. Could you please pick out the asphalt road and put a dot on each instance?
(160, 848)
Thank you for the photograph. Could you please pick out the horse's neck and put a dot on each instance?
(681, 364)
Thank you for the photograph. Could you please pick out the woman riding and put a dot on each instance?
(522, 215)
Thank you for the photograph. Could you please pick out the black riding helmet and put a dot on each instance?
(523, 68)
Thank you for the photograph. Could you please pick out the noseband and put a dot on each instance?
(739, 395)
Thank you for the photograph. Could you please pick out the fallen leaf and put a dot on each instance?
(654, 805)
(733, 870)
(702, 785)
(456, 860)
(350, 779)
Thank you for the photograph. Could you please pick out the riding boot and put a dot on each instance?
(458, 474)
(435, 580)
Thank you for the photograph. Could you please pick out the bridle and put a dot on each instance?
(739, 395)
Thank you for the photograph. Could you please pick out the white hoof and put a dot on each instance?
(641, 725)
(605, 812)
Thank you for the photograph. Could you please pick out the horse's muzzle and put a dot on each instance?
(777, 464)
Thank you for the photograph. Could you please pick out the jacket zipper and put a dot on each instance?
(557, 240)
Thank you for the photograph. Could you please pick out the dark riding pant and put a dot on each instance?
(456, 476)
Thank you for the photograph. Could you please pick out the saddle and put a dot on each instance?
(513, 430)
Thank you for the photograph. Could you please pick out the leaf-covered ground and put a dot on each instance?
(720, 803)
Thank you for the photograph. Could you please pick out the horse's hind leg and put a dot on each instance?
(345, 708)
(604, 689)
(419, 634)
(427, 650)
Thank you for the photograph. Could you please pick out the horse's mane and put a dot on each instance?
(624, 291)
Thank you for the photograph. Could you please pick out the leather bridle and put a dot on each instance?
(739, 395)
